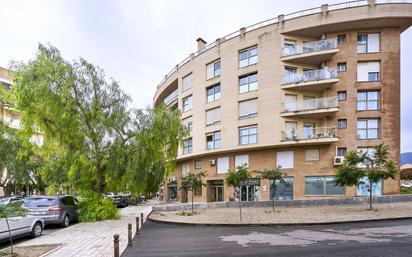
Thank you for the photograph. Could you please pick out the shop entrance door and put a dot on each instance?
(217, 193)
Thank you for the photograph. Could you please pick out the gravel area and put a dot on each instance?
(290, 215)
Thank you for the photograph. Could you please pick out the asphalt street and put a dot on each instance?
(377, 239)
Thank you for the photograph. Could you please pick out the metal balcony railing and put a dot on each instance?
(311, 75)
(309, 47)
(309, 132)
(310, 104)
(172, 96)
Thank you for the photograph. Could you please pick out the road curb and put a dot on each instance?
(273, 224)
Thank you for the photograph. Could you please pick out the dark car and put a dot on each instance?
(60, 210)
(120, 200)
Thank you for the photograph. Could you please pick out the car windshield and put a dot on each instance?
(40, 202)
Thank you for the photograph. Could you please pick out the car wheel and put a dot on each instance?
(66, 221)
(37, 230)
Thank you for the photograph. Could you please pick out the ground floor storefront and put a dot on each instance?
(308, 173)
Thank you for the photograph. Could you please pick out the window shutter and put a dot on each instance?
(187, 82)
(312, 155)
(213, 116)
(210, 71)
(284, 160)
(253, 106)
(363, 71)
(373, 43)
(243, 109)
(373, 66)
(222, 165)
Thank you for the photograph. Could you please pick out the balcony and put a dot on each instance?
(311, 108)
(311, 80)
(171, 98)
(310, 135)
(313, 52)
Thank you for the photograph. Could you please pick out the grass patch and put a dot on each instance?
(405, 191)
(186, 213)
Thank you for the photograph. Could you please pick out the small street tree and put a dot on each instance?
(192, 181)
(376, 167)
(235, 178)
(273, 175)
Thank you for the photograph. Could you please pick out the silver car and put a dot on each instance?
(21, 226)
(60, 209)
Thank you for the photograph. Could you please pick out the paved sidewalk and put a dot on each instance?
(91, 238)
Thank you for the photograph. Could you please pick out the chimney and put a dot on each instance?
(200, 43)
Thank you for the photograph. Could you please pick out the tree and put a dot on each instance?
(235, 178)
(376, 167)
(273, 175)
(192, 182)
(12, 209)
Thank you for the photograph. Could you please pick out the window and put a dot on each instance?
(341, 66)
(12, 119)
(213, 70)
(188, 123)
(368, 71)
(289, 47)
(187, 103)
(342, 123)
(248, 57)
(213, 93)
(187, 146)
(213, 116)
(341, 39)
(368, 100)
(198, 164)
(248, 83)
(248, 135)
(368, 43)
(290, 75)
(322, 185)
(248, 109)
(369, 150)
(284, 160)
(241, 161)
(312, 155)
(341, 95)
(341, 151)
(368, 129)
(213, 140)
(222, 165)
(187, 82)
(185, 169)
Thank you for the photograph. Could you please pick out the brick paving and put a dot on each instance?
(91, 238)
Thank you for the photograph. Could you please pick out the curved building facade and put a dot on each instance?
(296, 92)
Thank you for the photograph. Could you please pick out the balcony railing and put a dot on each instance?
(309, 132)
(311, 75)
(309, 47)
(310, 104)
(172, 96)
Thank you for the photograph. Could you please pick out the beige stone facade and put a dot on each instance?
(310, 72)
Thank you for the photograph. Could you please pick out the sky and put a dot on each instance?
(138, 42)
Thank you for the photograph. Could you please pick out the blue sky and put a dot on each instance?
(138, 42)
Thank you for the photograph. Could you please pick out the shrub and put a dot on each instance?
(94, 209)
(186, 213)
(406, 174)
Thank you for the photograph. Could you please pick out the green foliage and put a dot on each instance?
(13, 209)
(375, 167)
(406, 191)
(192, 181)
(406, 174)
(274, 175)
(94, 208)
(186, 213)
(235, 178)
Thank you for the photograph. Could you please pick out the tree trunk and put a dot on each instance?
(240, 209)
(10, 237)
(192, 200)
(273, 203)
(370, 195)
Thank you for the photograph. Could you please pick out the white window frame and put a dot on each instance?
(285, 159)
(371, 45)
(213, 116)
(252, 56)
(187, 82)
(368, 128)
(366, 69)
(222, 166)
(242, 160)
(213, 69)
(186, 147)
(251, 108)
(187, 104)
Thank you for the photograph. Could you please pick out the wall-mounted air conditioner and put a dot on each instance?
(338, 160)
(212, 162)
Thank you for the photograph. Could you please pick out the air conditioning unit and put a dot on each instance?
(338, 160)
(212, 162)
(172, 179)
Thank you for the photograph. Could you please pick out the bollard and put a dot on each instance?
(137, 225)
(142, 220)
(116, 245)
(129, 235)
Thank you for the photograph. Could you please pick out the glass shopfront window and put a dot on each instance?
(250, 190)
(284, 191)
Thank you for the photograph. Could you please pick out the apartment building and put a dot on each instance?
(296, 92)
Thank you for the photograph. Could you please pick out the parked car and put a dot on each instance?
(21, 226)
(120, 200)
(60, 210)
(406, 185)
(8, 199)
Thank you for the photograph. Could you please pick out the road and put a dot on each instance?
(377, 239)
